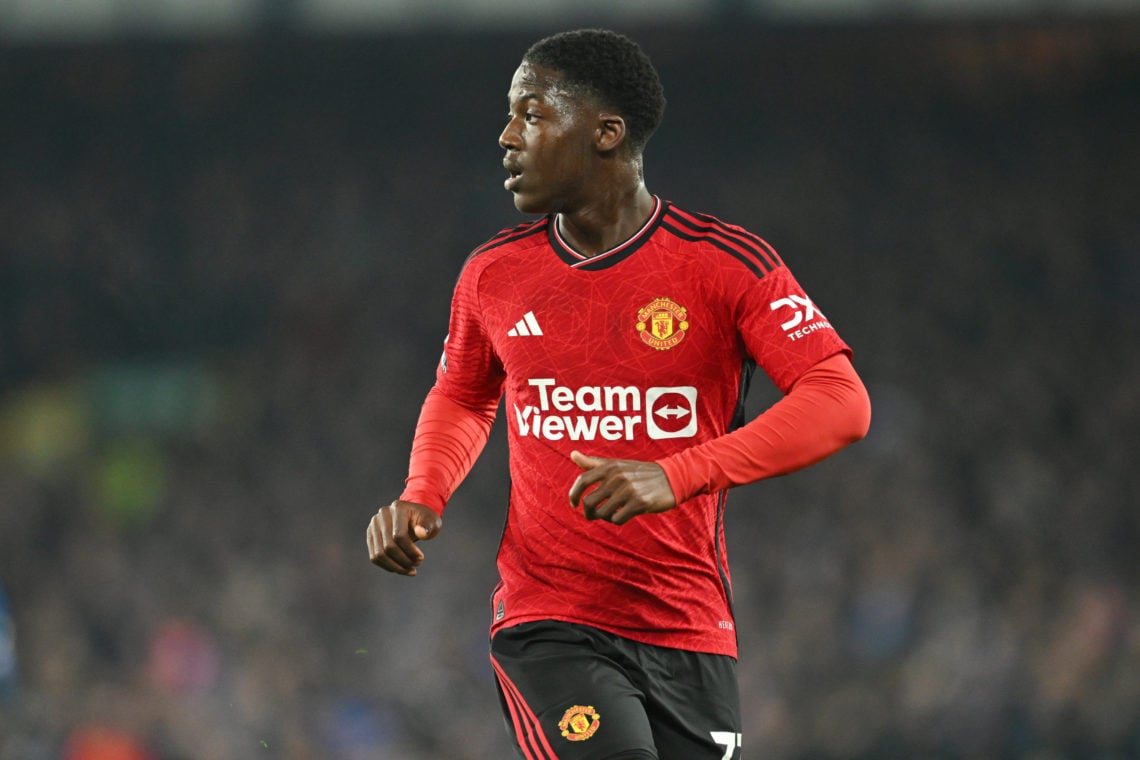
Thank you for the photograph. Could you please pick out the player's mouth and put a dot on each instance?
(515, 171)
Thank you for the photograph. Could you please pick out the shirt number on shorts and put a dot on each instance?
(729, 740)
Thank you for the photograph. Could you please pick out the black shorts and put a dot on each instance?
(570, 692)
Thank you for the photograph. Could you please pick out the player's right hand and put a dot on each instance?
(394, 531)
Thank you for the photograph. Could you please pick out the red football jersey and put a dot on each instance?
(635, 353)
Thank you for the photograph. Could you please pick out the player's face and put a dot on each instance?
(548, 142)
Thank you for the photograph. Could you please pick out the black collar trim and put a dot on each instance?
(613, 256)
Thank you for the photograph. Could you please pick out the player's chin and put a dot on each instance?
(531, 204)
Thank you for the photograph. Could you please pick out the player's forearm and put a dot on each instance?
(827, 409)
(449, 438)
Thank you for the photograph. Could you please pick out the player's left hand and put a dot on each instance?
(618, 490)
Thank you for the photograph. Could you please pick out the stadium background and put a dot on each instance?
(227, 241)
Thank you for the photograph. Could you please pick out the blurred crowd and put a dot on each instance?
(224, 276)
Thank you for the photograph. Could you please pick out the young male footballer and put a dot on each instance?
(622, 331)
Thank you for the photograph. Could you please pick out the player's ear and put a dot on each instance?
(611, 132)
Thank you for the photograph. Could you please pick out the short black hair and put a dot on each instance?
(612, 68)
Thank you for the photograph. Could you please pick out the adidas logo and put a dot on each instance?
(528, 325)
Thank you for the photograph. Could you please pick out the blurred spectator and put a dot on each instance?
(103, 743)
(9, 674)
(183, 657)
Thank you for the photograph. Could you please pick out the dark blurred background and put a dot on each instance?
(228, 236)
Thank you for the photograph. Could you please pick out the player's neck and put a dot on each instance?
(597, 228)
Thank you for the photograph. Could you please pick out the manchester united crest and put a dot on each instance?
(579, 723)
(662, 323)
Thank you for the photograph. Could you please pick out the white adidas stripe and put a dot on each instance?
(528, 325)
(532, 323)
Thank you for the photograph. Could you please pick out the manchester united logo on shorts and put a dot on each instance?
(662, 323)
(579, 723)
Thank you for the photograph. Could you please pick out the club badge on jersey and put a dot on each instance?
(662, 323)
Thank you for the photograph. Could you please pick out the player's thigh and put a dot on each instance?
(563, 699)
(693, 704)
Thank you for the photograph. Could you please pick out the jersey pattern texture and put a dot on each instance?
(635, 353)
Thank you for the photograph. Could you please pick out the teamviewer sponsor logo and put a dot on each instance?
(805, 318)
(607, 412)
(672, 412)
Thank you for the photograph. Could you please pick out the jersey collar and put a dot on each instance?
(605, 259)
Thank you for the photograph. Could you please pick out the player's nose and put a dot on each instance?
(509, 138)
